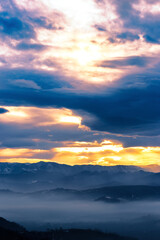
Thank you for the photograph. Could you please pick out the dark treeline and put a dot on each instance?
(60, 234)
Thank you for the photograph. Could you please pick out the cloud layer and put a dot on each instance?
(94, 62)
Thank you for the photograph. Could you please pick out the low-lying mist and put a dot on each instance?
(139, 219)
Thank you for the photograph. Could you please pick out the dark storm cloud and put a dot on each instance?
(100, 28)
(19, 24)
(20, 135)
(150, 39)
(25, 46)
(123, 37)
(134, 111)
(44, 79)
(43, 22)
(128, 61)
(3, 110)
(149, 25)
(15, 28)
(126, 109)
(128, 36)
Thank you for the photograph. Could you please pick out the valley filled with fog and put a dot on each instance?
(138, 218)
(121, 199)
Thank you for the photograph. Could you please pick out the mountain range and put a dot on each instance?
(111, 194)
(28, 177)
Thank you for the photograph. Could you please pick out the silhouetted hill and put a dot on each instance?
(79, 234)
(10, 225)
(12, 231)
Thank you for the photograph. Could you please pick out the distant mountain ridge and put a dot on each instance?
(114, 194)
(111, 194)
(15, 168)
(48, 175)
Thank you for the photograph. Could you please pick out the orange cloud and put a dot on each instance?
(107, 153)
(39, 116)
(23, 155)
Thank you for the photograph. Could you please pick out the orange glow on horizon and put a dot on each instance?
(106, 153)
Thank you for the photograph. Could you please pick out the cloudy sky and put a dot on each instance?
(80, 81)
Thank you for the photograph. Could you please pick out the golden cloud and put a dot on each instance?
(39, 116)
(107, 153)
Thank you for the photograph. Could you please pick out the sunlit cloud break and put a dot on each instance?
(106, 153)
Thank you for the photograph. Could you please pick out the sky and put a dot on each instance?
(80, 81)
